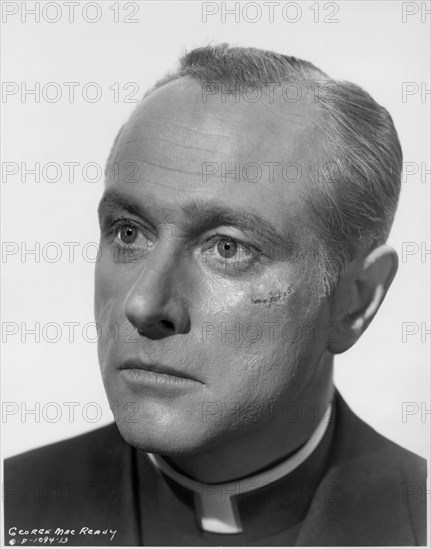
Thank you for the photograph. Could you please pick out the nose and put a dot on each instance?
(154, 305)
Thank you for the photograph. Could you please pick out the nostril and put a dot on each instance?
(158, 329)
(167, 325)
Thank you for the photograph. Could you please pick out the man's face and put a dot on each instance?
(204, 275)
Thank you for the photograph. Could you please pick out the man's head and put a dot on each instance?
(246, 203)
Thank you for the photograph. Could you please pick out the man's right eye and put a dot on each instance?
(127, 233)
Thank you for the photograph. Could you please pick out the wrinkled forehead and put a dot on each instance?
(188, 122)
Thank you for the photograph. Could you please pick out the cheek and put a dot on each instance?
(109, 296)
(102, 285)
(259, 317)
(254, 361)
(255, 337)
(112, 283)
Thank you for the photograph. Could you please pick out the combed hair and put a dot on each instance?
(351, 209)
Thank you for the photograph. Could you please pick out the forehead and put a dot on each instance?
(188, 125)
(182, 143)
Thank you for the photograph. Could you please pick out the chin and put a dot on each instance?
(176, 439)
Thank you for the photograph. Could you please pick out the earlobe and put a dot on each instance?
(362, 291)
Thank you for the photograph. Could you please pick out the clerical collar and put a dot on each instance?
(215, 506)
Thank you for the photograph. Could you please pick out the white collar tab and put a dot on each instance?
(215, 509)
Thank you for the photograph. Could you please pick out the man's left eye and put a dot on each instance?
(227, 248)
(227, 253)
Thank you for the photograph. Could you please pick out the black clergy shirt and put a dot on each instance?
(269, 515)
(356, 489)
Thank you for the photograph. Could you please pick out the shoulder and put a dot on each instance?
(357, 442)
(57, 459)
(79, 492)
(373, 491)
(67, 474)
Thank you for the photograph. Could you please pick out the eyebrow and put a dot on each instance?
(202, 214)
(113, 200)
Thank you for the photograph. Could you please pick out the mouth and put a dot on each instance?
(162, 371)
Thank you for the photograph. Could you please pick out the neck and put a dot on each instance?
(291, 426)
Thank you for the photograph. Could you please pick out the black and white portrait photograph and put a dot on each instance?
(215, 273)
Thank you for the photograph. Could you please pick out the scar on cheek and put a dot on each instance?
(272, 296)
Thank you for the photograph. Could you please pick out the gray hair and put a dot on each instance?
(351, 209)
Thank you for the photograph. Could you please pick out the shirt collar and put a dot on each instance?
(215, 503)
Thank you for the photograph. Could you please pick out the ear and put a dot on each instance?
(359, 294)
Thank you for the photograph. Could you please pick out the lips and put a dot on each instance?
(159, 368)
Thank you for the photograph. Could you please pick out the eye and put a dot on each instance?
(127, 233)
(229, 256)
(130, 241)
(131, 236)
(227, 248)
